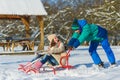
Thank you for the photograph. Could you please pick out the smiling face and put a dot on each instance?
(56, 39)
(53, 37)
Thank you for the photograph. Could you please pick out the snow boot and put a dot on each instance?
(35, 67)
(101, 65)
(113, 65)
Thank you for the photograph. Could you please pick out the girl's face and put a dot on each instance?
(56, 39)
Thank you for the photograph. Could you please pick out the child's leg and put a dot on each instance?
(38, 56)
(50, 59)
(38, 64)
(93, 52)
(108, 50)
(53, 61)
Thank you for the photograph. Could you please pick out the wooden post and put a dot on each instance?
(41, 25)
(25, 21)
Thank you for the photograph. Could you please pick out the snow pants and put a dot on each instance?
(105, 45)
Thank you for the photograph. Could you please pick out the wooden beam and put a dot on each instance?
(10, 17)
(18, 53)
(41, 25)
(25, 21)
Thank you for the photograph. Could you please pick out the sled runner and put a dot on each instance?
(28, 67)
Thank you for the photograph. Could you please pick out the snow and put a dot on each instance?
(84, 69)
(22, 7)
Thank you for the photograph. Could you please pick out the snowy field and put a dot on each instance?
(84, 69)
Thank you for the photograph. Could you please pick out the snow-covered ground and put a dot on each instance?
(84, 69)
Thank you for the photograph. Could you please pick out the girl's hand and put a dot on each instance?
(36, 53)
(48, 48)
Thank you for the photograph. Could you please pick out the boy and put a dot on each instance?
(95, 35)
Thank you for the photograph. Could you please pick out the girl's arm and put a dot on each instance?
(59, 49)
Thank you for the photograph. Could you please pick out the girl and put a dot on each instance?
(52, 55)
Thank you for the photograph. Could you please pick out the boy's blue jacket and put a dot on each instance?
(89, 32)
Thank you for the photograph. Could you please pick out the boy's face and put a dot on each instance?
(78, 31)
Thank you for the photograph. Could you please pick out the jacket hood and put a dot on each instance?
(78, 24)
(82, 23)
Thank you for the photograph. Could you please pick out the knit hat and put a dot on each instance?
(51, 37)
(75, 24)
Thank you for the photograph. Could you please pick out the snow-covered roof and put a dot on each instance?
(22, 7)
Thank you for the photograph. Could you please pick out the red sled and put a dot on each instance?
(29, 68)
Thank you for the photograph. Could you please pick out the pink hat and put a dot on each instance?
(51, 37)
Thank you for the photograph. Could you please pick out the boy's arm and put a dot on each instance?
(84, 35)
(73, 39)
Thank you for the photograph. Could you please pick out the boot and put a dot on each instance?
(101, 65)
(113, 65)
(35, 67)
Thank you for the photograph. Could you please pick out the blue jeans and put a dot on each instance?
(105, 45)
(50, 59)
(38, 56)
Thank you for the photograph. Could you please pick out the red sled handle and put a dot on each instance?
(67, 59)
